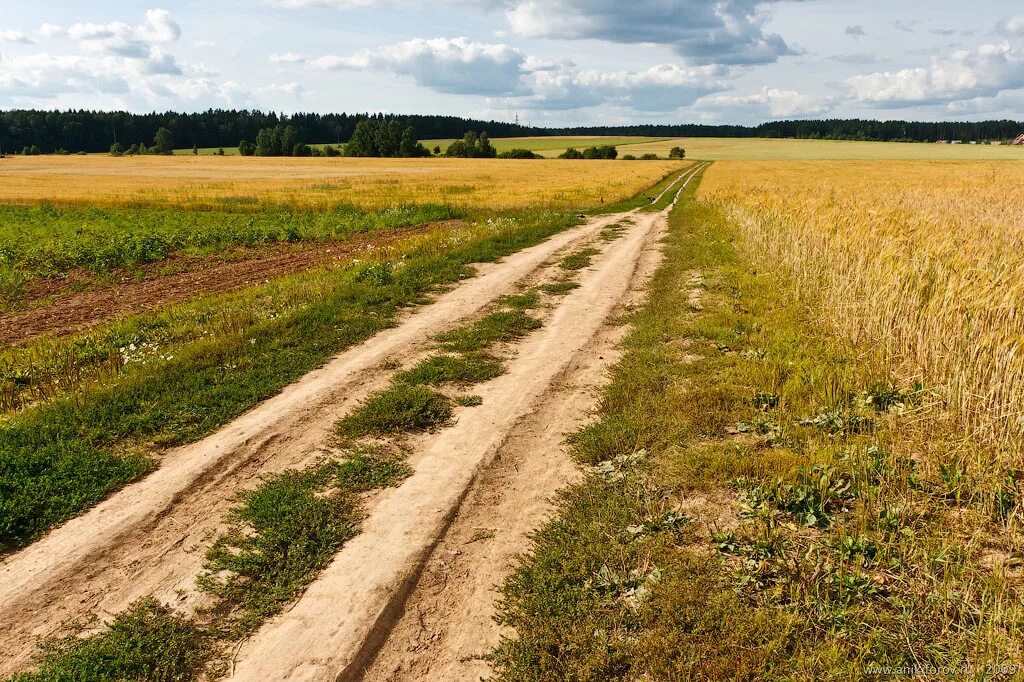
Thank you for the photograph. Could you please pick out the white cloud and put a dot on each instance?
(128, 41)
(49, 30)
(770, 102)
(665, 87)
(962, 75)
(703, 32)
(287, 58)
(460, 66)
(7, 36)
(449, 65)
(856, 31)
(118, 63)
(1011, 26)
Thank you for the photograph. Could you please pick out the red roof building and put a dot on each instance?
(1019, 140)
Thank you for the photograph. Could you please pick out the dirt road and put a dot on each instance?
(478, 488)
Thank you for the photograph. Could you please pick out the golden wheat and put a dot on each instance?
(923, 260)
(219, 182)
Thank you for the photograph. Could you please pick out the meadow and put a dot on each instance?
(252, 184)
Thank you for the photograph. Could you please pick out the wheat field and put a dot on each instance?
(237, 182)
(924, 261)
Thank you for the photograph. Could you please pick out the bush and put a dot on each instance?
(246, 148)
(519, 154)
(602, 152)
(386, 139)
(571, 153)
(649, 157)
(629, 157)
(472, 146)
(117, 149)
(677, 153)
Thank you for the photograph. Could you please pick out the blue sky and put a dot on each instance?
(554, 62)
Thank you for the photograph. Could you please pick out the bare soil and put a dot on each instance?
(81, 300)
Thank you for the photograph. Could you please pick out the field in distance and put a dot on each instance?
(763, 149)
(247, 183)
(743, 149)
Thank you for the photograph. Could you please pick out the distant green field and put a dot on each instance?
(553, 144)
(745, 149)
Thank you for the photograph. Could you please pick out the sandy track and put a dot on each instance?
(346, 619)
(148, 539)
(447, 624)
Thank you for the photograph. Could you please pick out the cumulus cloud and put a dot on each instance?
(962, 75)
(49, 30)
(461, 66)
(450, 65)
(770, 102)
(287, 58)
(117, 62)
(661, 88)
(725, 32)
(701, 31)
(125, 40)
(8, 36)
(1011, 26)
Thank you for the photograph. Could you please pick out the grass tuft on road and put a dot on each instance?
(399, 409)
(500, 326)
(148, 641)
(461, 370)
(579, 260)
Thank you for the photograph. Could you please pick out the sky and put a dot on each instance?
(551, 62)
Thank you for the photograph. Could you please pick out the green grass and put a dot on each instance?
(578, 260)
(281, 535)
(525, 301)
(761, 503)
(471, 368)
(501, 326)
(551, 145)
(398, 409)
(148, 641)
(45, 241)
(198, 366)
(560, 288)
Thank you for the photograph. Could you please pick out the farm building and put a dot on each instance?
(1019, 140)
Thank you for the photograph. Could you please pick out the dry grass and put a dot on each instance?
(253, 183)
(923, 260)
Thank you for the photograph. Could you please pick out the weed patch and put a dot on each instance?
(501, 326)
(146, 642)
(579, 260)
(461, 370)
(398, 409)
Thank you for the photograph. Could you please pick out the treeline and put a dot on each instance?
(831, 129)
(92, 131)
(96, 131)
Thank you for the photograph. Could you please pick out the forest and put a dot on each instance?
(95, 131)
